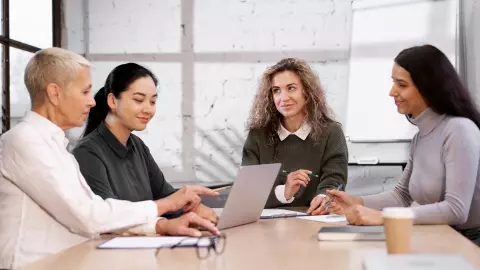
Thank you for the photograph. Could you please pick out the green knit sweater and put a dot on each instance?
(327, 157)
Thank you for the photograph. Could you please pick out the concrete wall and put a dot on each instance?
(209, 54)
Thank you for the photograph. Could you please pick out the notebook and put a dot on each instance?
(351, 233)
(417, 262)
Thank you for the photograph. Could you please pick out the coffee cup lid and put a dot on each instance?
(397, 212)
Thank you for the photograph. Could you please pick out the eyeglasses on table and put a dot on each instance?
(204, 244)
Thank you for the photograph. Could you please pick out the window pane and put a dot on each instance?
(19, 97)
(31, 22)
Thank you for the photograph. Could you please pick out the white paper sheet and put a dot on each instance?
(278, 213)
(138, 242)
(326, 218)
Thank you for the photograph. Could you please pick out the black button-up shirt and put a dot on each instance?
(113, 170)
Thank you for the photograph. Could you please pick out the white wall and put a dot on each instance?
(209, 68)
(208, 55)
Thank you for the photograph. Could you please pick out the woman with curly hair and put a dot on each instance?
(290, 123)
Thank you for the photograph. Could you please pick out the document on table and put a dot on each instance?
(326, 218)
(138, 242)
(280, 213)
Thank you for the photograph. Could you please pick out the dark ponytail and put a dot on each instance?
(98, 113)
(118, 80)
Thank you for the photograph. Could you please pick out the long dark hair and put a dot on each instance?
(117, 81)
(438, 82)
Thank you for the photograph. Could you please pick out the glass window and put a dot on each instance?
(31, 22)
(19, 97)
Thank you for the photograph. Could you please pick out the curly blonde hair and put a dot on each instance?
(264, 114)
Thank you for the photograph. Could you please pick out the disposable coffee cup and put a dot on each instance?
(398, 226)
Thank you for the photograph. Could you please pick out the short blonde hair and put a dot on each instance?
(52, 65)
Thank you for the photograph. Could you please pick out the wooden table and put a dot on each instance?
(267, 244)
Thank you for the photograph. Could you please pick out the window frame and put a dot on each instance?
(7, 42)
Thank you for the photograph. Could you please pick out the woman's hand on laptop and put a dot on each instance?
(206, 213)
(294, 181)
(183, 226)
(188, 198)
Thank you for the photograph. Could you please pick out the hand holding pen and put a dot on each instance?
(339, 201)
(294, 181)
(320, 203)
(339, 188)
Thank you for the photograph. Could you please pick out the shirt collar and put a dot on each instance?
(302, 132)
(427, 121)
(120, 149)
(45, 126)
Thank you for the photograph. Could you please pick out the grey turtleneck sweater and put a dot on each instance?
(442, 174)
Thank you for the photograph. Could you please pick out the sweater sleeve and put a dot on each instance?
(461, 155)
(399, 196)
(334, 170)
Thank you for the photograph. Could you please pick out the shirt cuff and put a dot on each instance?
(149, 228)
(280, 194)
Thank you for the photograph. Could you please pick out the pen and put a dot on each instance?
(309, 174)
(332, 197)
(220, 189)
(289, 215)
(285, 215)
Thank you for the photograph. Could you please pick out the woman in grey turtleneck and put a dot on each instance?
(442, 174)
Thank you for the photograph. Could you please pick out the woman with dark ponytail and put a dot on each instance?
(116, 163)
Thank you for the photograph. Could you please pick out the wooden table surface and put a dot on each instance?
(267, 244)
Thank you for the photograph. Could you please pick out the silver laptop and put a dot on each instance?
(248, 195)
